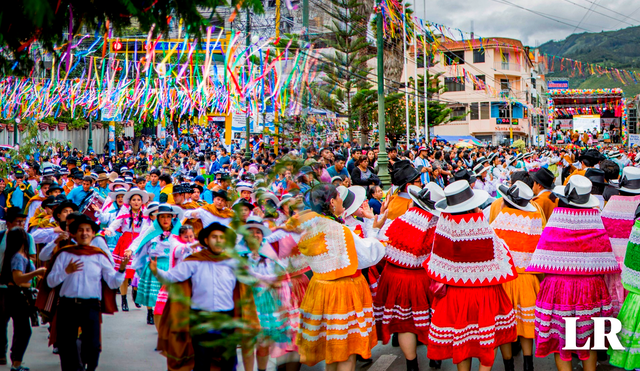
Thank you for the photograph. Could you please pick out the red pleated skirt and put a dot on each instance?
(470, 322)
(118, 253)
(401, 303)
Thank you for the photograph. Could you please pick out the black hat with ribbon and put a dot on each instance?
(544, 177)
(403, 173)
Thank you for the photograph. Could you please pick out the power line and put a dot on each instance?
(613, 11)
(539, 13)
(590, 9)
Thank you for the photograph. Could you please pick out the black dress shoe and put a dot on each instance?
(150, 320)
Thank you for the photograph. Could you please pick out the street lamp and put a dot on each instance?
(90, 140)
(15, 132)
(383, 160)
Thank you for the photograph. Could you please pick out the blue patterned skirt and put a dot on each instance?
(149, 286)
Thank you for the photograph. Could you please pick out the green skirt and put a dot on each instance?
(629, 337)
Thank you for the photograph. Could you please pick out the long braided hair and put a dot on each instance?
(319, 200)
(138, 223)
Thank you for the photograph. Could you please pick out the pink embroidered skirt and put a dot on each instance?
(569, 296)
(401, 304)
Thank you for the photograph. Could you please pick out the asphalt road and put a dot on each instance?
(129, 343)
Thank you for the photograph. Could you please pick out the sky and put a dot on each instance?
(555, 19)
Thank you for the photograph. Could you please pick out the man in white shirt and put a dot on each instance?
(78, 272)
(423, 165)
(211, 273)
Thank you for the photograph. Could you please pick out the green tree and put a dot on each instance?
(345, 67)
(23, 23)
(439, 113)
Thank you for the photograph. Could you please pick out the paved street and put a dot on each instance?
(129, 345)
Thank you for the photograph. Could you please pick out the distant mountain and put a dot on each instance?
(617, 49)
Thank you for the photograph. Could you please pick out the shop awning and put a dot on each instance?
(453, 139)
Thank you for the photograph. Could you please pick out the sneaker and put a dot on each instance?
(20, 368)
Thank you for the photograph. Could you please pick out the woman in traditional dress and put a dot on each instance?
(519, 223)
(629, 357)
(263, 303)
(108, 216)
(401, 304)
(574, 252)
(128, 222)
(337, 309)
(471, 313)
(187, 246)
(158, 242)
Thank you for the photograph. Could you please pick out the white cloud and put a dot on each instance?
(495, 18)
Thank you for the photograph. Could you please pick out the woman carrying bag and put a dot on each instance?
(17, 273)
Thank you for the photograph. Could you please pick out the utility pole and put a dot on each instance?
(426, 80)
(305, 24)
(383, 160)
(405, 72)
(276, 140)
(415, 80)
(247, 151)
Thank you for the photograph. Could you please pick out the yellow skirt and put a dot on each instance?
(523, 292)
(336, 321)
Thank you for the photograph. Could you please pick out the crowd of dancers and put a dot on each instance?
(491, 250)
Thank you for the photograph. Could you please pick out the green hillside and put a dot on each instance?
(617, 49)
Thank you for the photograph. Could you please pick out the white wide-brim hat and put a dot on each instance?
(459, 197)
(577, 193)
(434, 192)
(519, 195)
(113, 194)
(136, 191)
(256, 222)
(174, 210)
(352, 198)
(152, 207)
(630, 180)
(121, 183)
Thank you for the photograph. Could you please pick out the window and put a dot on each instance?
(505, 61)
(459, 112)
(474, 112)
(480, 86)
(485, 110)
(454, 58)
(504, 85)
(454, 83)
(420, 60)
(478, 55)
(533, 83)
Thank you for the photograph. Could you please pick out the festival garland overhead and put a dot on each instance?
(251, 79)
